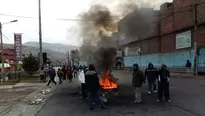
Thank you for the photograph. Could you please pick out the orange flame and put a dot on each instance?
(107, 83)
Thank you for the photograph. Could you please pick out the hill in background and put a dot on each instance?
(62, 48)
(55, 52)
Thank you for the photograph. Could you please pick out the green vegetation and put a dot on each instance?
(30, 64)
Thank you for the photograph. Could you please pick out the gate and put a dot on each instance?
(201, 61)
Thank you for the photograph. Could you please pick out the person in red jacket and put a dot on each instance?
(69, 73)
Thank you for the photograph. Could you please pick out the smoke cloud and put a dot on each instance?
(101, 20)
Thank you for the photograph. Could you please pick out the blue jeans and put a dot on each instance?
(94, 96)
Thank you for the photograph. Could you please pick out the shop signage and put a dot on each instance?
(18, 46)
(183, 40)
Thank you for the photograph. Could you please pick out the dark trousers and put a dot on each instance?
(75, 74)
(94, 96)
(64, 77)
(42, 77)
(51, 80)
(70, 77)
(152, 85)
(163, 90)
(83, 90)
(60, 80)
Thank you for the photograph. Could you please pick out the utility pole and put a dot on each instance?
(2, 49)
(195, 37)
(40, 35)
(2, 54)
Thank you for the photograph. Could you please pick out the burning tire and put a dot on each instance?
(108, 87)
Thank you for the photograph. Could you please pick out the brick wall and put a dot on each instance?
(154, 45)
(167, 43)
(181, 4)
(201, 36)
(166, 25)
(145, 47)
(201, 11)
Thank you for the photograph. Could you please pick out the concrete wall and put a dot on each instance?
(174, 59)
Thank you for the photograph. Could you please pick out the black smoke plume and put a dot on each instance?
(96, 24)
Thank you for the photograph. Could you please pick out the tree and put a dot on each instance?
(30, 64)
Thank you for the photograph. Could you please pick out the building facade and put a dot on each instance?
(171, 40)
(9, 54)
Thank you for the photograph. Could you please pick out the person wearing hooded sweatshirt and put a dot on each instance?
(52, 75)
(81, 77)
(93, 87)
(137, 81)
(163, 84)
(151, 74)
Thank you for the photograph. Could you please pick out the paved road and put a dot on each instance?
(187, 95)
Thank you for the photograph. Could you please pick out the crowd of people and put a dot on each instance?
(90, 85)
(87, 76)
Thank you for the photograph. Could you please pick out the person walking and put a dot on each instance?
(75, 71)
(92, 87)
(60, 75)
(137, 81)
(151, 74)
(81, 78)
(42, 74)
(64, 69)
(69, 74)
(163, 84)
(52, 75)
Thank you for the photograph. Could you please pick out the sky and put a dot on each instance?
(53, 29)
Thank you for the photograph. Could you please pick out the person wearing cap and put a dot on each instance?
(137, 81)
(151, 74)
(163, 84)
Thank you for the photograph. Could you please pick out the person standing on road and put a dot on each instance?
(42, 74)
(92, 87)
(163, 84)
(188, 67)
(151, 74)
(69, 74)
(81, 77)
(75, 71)
(60, 75)
(137, 81)
(64, 69)
(52, 75)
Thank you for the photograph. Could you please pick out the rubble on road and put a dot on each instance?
(39, 99)
(36, 101)
(45, 91)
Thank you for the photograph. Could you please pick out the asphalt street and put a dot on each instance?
(187, 100)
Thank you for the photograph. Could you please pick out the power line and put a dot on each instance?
(178, 10)
(8, 15)
(63, 19)
(7, 37)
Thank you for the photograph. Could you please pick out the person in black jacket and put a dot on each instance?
(188, 67)
(151, 74)
(93, 86)
(137, 81)
(163, 84)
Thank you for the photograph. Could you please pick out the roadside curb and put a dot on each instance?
(2, 87)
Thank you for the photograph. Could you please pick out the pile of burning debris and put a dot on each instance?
(109, 86)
